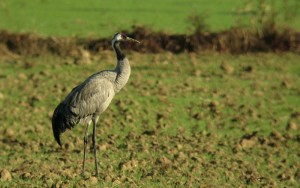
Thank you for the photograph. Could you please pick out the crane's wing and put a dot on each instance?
(89, 98)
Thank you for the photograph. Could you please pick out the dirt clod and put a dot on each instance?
(25, 175)
(5, 175)
(245, 143)
(129, 165)
(93, 180)
(227, 68)
(164, 162)
(291, 126)
(103, 146)
(9, 132)
(249, 140)
(1, 96)
(117, 182)
(198, 115)
(276, 135)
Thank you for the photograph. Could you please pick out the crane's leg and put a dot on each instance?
(94, 145)
(85, 140)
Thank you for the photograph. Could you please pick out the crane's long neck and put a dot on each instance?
(117, 49)
(122, 69)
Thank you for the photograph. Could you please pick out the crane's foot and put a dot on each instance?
(96, 172)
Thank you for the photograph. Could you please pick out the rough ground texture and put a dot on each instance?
(185, 120)
(233, 41)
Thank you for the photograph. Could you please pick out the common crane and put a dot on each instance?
(88, 100)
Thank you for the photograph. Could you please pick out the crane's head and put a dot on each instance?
(118, 37)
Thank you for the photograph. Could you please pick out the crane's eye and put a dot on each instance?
(123, 36)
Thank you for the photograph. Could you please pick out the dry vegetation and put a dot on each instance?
(236, 41)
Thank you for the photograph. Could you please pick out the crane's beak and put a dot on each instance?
(131, 39)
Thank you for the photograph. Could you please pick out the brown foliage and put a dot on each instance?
(235, 40)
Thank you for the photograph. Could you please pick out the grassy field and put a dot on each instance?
(182, 120)
(101, 18)
(204, 119)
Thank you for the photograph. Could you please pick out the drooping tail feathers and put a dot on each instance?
(62, 119)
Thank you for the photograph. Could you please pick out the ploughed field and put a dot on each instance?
(189, 119)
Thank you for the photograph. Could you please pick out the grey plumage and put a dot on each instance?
(87, 101)
(92, 97)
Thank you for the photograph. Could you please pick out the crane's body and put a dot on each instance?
(87, 101)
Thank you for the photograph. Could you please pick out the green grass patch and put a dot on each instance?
(102, 18)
